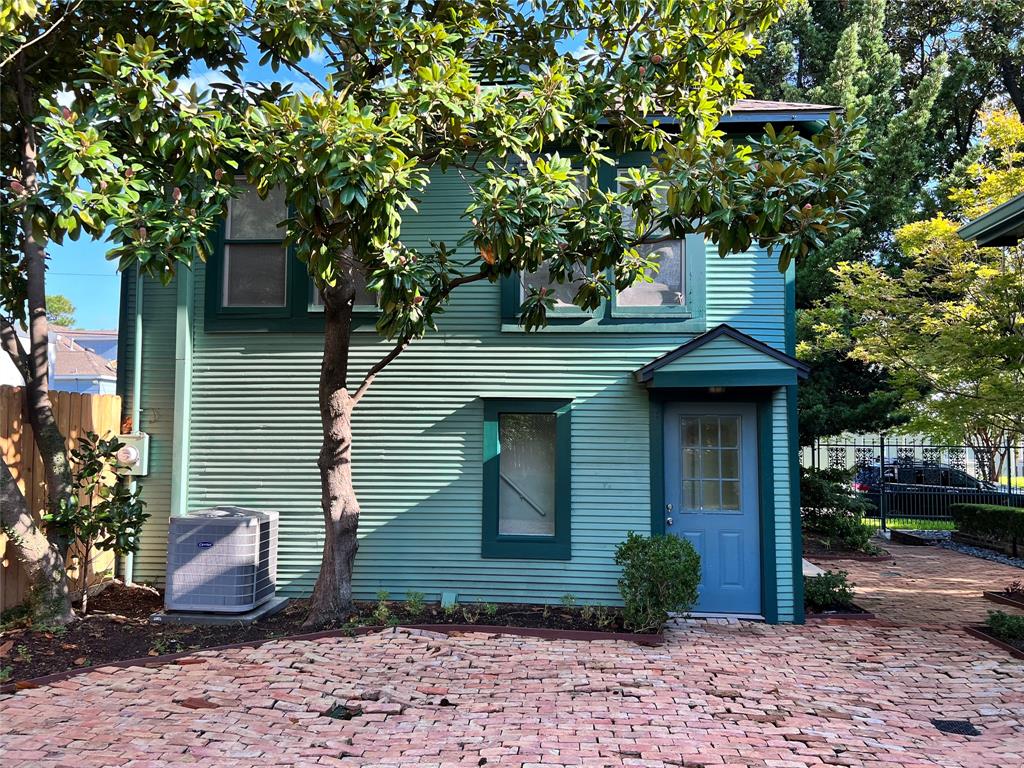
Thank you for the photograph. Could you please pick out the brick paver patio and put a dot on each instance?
(741, 694)
(927, 585)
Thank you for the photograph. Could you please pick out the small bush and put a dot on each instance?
(1005, 626)
(660, 575)
(832, 511)
(828, 591)
(989, 521)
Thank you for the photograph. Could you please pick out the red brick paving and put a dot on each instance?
(715, 695)
(927, 585)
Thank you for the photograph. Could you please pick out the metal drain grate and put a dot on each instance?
(959, 727)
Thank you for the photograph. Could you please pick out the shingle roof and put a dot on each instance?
(72, 359)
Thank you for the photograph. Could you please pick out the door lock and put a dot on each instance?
(668, 509)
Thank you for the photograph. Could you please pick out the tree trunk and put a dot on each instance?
(38, 409)
(332, 596)
(48, 601)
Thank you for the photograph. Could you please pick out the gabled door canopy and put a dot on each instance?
(722, 357)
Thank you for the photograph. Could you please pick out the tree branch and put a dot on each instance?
(29, 43)
(12, 346)
(403, 343)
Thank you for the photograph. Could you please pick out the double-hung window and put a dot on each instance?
(254, 270)
(255, 283)
(527, 470)
(665, 294)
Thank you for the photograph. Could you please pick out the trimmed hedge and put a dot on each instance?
(990, 521)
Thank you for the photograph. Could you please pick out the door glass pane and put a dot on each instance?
(731, 494)
(710, 463)
(526, 496)
(730, 431)
(254, 275)
(730, 463)
(711, 497)
(251, 218)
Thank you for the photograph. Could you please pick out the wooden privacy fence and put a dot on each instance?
(75, 414)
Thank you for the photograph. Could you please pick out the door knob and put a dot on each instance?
(668, 521)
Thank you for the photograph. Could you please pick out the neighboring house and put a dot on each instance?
(496, 464)
(103, 343)
(73, 367)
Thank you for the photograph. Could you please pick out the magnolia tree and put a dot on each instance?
(44, 47)
(525, 101)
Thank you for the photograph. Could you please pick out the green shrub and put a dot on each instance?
(828, 591)
(830, 509)
(1005, 626)
(989, 521)
(660, 575)
(830, 491)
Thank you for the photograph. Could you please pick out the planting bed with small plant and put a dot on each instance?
(660, 575)
(830, 593)
(1004, 630)
(831, 517)
(1011, 594)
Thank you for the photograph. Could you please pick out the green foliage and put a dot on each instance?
(60, 310)
(382, 611)
(832, 511)
(660, 575)
(828, 591)
(947, 327)
(103, 511)
(989, 521)
(1005, 626)
(414, 603)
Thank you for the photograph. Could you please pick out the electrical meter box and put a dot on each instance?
(134, 454)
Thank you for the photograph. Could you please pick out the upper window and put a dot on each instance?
(255, 266)
(668, 286)
(254, 282)
(526, 479)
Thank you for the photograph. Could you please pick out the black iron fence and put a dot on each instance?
(913, 484)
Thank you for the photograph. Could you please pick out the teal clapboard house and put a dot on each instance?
(496, 464)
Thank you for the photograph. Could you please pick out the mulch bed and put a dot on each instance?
(1013, 647)
(815, 549)
(1016, 599)
(118, 628)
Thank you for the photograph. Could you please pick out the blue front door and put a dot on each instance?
(711, 498)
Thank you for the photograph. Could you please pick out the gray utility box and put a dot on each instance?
(222, 559)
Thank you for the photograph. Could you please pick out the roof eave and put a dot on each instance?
(1002, 226)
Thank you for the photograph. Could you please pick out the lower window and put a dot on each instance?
(527, 470)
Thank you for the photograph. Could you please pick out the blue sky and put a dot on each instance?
(80, 271)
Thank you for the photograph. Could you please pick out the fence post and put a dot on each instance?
(882, 503)
(1009, 472)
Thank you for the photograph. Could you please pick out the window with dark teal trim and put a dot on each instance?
(276, 296)
(687, 315)
(527, 471)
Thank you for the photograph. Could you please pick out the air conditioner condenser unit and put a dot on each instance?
(222, 560)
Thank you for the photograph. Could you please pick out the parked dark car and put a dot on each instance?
(927, 490)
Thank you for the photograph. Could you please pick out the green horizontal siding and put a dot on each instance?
(418, 433)
(783, 507)
(724, 353)
(156, 418)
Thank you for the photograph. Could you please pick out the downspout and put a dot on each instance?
(182, 392)
(129, 558)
